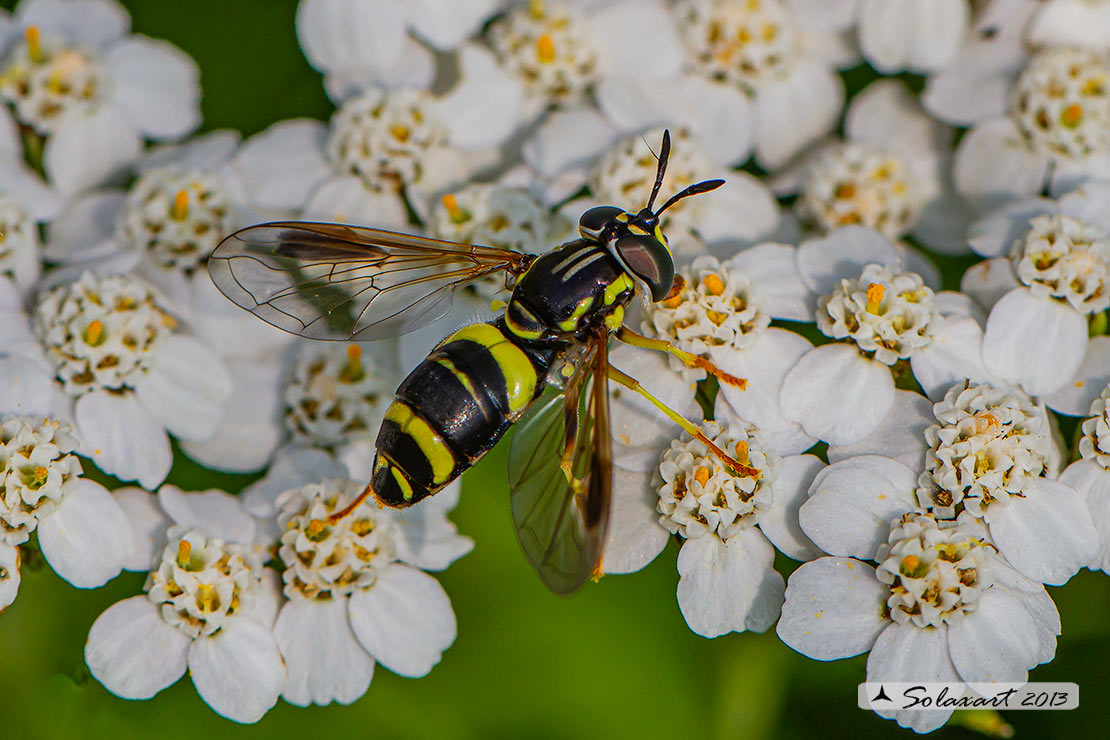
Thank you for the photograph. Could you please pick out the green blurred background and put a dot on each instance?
(615, 661)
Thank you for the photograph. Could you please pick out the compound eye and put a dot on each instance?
(649, 260)
(594, 221)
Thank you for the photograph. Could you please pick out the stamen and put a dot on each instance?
(457, 214)
(180, 206)
(875, 293)
(742, 452)
(909, 565)
(208, 600)
(34, 43)
(1072, 115)
(94, 333)
(714, 284)
(400, 132)
(39, 475)
(354, 371)
(536, 8)
(701, 475)
(545, 49)
(184, 553)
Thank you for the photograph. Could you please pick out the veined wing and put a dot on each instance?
(330, 281)
(560, 475)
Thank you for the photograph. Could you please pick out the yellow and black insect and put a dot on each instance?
(542, 365)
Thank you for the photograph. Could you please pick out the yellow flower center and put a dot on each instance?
(545, 49)
(180, 206)
(875, 293)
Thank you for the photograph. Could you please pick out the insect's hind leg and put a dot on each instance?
(635, 339)
(634, 385)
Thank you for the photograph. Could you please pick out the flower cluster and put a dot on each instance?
(933, 457)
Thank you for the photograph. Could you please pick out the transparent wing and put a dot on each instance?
(330, 281)
(561, 519)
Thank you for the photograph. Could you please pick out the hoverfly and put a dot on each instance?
(542, 365)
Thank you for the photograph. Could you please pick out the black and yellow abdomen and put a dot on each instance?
(454, 407)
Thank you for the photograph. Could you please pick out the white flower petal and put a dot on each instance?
(1048, 535)
(774, 268)
(764, 364)
(899, 436)
(122, 438)
(1075, 397)
(283, 164)
(994, 164)
(620, 33)
(293, 467)
(834, 609)
(9, 583)
(906, 653)
(27, 388)
(445, 26)
(1092, 482)
(86, 229)
(852, 502)
(740, 213)
(148, 525)
(1021, 320)
(943, 222)
(568, 141)
(341, 34)
(841, 253)
(907, 34)
(824, 15)
(404, 620)
(427, 539)
(88, 150)
(887, 113)
(635, 537)
(485, 108)
(954, 354)
(208, 151)
(836, 394)
(346, 200)
(217, 513)
(133, 651)
(725, 587)
(997, 642)
(988, 281)
(96, 22)
(157, 85)
(794, 112)
(238, 671)
(87, 538)
(993, 235)
(1071, 22)
(186, 387)
(793, 478)
(250, 430)
(324, 659)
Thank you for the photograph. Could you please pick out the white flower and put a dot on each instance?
(356, 588)
(915, 35)
(971, 467)
(1057, 274)
(134, 377)
(209, 610)
(1049, 128)
(888, 174)
(356, 43)
(942, 606)
(730, 525)
(73, 75)
(81, 531)
(1090, 475)
(882, 316)
(24, 203)
(759, 75)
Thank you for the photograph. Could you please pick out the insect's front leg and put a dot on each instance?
(635, 339)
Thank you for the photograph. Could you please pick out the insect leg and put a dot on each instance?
(634, 385)
(628, 336)
(366, 493)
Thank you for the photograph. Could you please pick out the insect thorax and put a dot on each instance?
(568, 290)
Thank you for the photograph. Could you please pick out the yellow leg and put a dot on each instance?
(636, 339)
(632, 384)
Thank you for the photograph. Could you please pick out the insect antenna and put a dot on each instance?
(697, 188)
(664, 155)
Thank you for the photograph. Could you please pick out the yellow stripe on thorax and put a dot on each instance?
(617, 287)
(520, 375)
(431, 444)
(579, 311)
